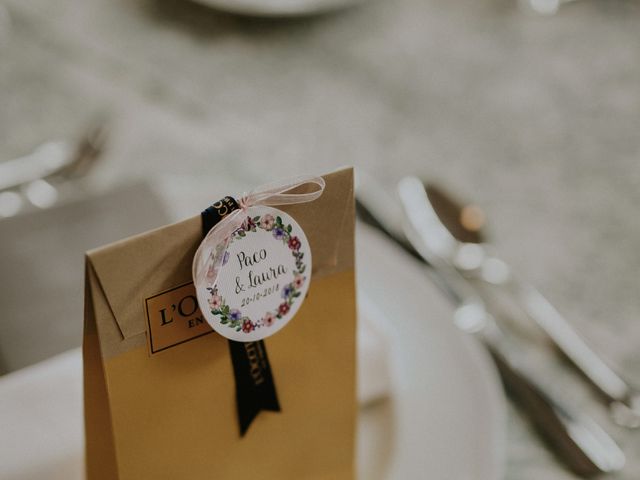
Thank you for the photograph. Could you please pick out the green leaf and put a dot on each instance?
(256, 218)
(289, 228)
(297, 294)
(279, 220)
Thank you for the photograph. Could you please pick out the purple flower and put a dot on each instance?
(286, 291)
(235, 314)
(225, 258)
(278, 233)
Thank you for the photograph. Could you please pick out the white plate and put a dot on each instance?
(446, 415)
(272, 8)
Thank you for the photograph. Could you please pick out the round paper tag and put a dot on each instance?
(262, 279)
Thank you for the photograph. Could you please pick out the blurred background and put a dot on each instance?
(120, 116)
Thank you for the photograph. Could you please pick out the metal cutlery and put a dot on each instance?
(454, 234)
(54, 159)
(40, 174)
(576, 439)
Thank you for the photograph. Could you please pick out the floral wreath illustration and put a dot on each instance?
(233, 318)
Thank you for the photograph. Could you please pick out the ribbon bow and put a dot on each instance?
(210, 253)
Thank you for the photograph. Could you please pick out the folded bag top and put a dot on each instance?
(129, 271)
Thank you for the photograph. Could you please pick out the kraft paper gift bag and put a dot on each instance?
(159, 385)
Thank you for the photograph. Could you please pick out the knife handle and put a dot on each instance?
(575, 440)
(574, 348)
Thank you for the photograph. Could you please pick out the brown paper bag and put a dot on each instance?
(172, 414)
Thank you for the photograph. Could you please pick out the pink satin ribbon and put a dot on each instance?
(208, 257)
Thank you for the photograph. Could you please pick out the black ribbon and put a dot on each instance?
(255, 389)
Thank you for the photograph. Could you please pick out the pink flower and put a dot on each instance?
(268, 319)
(267, 222)
(298, 281)
(247, 326)
(294, 243)
(283, 308)
(215, 301)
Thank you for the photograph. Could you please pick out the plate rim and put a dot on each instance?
(477, 358)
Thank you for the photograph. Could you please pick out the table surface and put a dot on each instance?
(534, 118)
